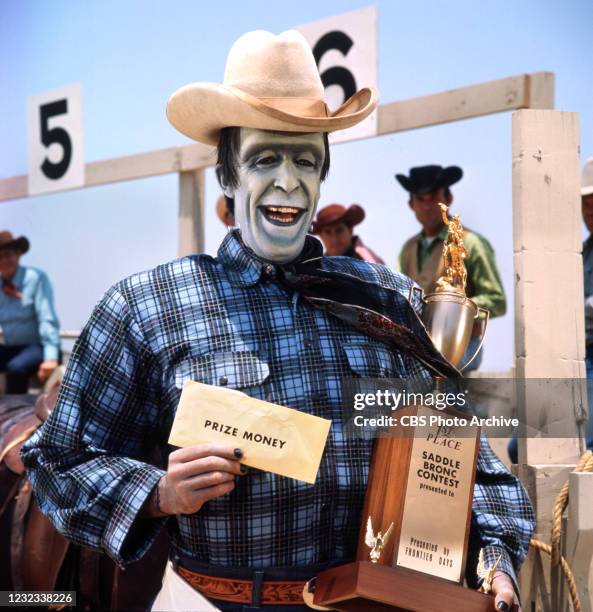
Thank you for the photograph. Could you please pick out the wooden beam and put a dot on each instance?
(192, 188)
(130, 167)
(524, 91)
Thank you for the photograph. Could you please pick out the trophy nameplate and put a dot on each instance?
(439, 492)
(421, 480)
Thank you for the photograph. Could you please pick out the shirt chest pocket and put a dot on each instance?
(244, 370)
(374, 361)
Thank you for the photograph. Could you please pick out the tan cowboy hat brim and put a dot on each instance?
(201, 110)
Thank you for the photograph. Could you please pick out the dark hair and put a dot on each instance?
(229, 144)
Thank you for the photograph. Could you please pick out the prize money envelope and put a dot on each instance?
(273, 438)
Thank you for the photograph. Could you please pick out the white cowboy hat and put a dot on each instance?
(270, 83)
(587, 178)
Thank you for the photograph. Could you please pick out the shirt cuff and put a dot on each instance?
(491, 555)
(128, 537)
(50, 352)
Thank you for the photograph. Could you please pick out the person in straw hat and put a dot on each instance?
(259, 318)
(28, 322)
(334, 225)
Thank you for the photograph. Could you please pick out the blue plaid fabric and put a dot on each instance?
(227, 320)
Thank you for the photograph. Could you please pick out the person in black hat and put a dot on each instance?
(421, 256)
(30, 328)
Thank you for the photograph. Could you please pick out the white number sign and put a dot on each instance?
(345, 49)
(55, 142)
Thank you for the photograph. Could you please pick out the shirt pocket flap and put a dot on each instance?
(233, 369)
(373, 361)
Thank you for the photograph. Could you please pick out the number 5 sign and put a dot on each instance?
(55, 144)
(345, 49)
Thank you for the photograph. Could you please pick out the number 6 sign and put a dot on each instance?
(55, 143)
(345, 49)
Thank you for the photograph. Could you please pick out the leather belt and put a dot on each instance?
(284, 592)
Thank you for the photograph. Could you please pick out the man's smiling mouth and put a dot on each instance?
(282, 215)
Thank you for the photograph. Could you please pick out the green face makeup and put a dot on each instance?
(278, 191)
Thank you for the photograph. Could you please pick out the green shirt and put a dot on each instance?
(483, 279)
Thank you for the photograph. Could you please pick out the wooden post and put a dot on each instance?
(549, 318)
(578, 543)
(191, 212)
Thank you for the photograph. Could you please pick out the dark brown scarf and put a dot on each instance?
(378, 311)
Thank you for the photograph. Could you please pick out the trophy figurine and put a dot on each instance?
(448, 313)
(421, 481)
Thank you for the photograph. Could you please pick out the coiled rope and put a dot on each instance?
(585, 464)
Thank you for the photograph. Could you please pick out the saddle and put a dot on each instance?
(21, 431)
(34, 556)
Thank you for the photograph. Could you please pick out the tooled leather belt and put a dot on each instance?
(247, 585)
(285, 592)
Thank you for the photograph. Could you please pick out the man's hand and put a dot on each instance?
(45, 369)
(195, 475)
(504, 592)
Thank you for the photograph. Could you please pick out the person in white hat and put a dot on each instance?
(249, 319)
(587, 209)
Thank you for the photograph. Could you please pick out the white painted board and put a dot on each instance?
(345, 48)
(55, 140)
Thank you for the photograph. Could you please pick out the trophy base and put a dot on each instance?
(368, 587)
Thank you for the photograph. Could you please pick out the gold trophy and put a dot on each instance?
(448, 313)
(420, 486)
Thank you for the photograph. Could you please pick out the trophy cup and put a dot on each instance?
(420, 487)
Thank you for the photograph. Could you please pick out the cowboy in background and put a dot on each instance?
(587, 209)
(29, 325)
(334, 225)
(224, 212)
(421, 257)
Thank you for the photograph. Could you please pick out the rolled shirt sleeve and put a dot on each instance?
(48, 324)
(86, 463)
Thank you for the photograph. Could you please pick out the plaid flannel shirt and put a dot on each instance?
(227, 320)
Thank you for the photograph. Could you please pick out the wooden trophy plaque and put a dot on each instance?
(421, 479)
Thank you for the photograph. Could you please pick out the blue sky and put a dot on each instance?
(129, 57)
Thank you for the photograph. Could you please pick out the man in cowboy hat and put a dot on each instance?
(421, 256)
(28, 320)
(334, 224)
(258, 317)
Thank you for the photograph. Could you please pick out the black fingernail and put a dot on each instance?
(503, 605)
(238, 453)
(243, 469)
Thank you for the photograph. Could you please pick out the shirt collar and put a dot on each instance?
(17, 278)
(244, 268)
(440, 236)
